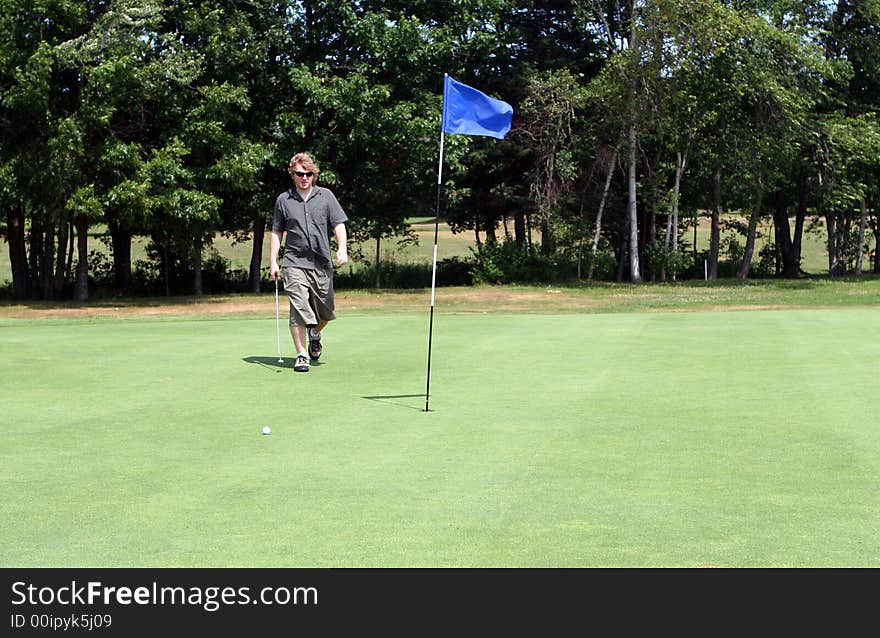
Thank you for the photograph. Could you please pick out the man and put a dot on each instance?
(307, 213)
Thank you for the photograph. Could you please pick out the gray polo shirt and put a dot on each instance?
(308, 225)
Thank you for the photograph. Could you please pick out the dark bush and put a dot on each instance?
(450, 272)
(507, 262)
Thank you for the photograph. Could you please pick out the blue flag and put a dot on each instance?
(470, 112)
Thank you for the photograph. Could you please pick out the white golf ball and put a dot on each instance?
(267, 430)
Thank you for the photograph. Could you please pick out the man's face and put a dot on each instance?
(302, 177)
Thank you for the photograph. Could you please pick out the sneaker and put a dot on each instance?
(314, 347)
(302, 364)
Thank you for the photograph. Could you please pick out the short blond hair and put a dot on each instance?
(307, 163)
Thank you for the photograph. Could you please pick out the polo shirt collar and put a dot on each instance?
(294, 193)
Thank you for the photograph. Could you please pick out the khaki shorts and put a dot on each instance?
(311, 295)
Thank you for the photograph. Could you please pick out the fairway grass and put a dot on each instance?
(628, 439)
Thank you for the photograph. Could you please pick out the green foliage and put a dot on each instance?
(767, 260)
(603, 262)
(29, 88)
(674, 263)
(149, 277)
(733, 248)
(84, 203)
(548, 109)
(506, 262)
(452, 271)
(176, 120)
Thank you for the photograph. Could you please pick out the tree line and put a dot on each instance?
(175, 120)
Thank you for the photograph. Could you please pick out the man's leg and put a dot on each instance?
(296, 283)
(321, 303)
(314, 335)
(299, 337)
(299, 340)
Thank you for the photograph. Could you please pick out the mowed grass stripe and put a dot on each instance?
(669, 439)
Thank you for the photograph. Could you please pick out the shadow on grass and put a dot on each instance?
(273, 363)
(270, 362)
(387, 399)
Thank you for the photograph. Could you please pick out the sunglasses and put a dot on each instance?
(303, 173)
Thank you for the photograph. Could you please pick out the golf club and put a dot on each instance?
(278, 324)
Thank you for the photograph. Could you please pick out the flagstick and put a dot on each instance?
(434, 271)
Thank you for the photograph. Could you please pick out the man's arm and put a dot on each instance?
(341, 244)
(274, 247)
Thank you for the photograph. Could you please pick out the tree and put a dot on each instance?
(374, 135)
(29, 117)
(781, 90)
(118, 76)
(618, 87)
(546, 124)
(846, 149)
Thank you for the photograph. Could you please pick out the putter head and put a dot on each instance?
(280, 360)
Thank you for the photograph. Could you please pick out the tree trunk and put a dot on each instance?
(863, 222)
(667, 240)
(519, 228)
(46, 260)
(790, 266)
(680, 166)
(836, 262)
(621, 260)
(21, 284)
(491, 237)
(70, 249)
(843, 233)
(580, 257)
(166, 269)
(547, 244)
(60, 258)
(198, 283)
(378, 280)
(800, 218)
(830, 229)
(632, 212)
(651, 233)
(528, 230)
(715, 231)
(120, 237)
(598, 233)
(41, 259)
(777, 248)
(35, 256)
(876, 243)
(254, 274)
(81, 286)
(746, 264)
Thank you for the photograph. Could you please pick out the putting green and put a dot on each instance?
(647, 439)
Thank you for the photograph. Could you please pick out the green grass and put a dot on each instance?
(739, 438)
(580, 298)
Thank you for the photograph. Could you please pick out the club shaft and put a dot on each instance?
(277, 320)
